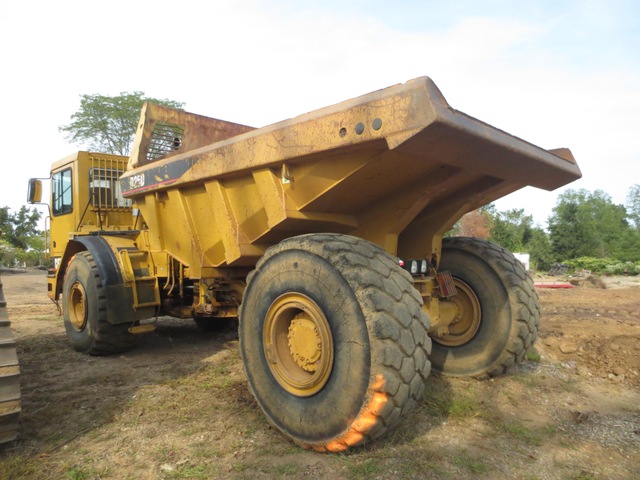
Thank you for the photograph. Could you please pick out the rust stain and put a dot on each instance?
(364, 422)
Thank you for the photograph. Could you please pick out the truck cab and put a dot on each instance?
(85, 199)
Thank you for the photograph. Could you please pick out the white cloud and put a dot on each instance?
(258, 62)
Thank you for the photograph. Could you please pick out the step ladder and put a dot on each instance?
(129, 260)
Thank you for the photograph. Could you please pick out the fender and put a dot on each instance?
(103, 254)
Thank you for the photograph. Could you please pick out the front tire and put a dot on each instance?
(333, 340)
(498, 310)
(84, 305)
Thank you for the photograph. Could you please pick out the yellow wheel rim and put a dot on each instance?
(298, 344)
(77, 306)
(467, 316)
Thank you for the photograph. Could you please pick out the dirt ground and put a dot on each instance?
(177, 406)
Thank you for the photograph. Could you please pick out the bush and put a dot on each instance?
(609, 266)
(593, 264)
(626, 268)
(11, 256)
(30, 258)
(7, 253)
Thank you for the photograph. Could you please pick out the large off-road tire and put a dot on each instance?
(85, 310)
(333, 340)
(9, 379)
(498, 310)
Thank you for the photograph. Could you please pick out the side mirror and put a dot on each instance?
(34, 192)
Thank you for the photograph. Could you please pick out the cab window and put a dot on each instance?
(61, 192)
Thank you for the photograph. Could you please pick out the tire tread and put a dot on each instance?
(397, 326)
(523, 298)
(106, 338)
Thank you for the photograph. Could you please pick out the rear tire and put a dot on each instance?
(493, 283)
(333, 340)
(84, 304)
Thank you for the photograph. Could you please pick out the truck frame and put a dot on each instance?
(323, 234)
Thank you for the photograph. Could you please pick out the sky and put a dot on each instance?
(555, 73)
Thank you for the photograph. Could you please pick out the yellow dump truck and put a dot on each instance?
(323, 234)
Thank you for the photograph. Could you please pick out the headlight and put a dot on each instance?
(414, 267)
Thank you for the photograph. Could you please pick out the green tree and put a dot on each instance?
(539, 248)
(21, 240)
(633, 205)
(512, 229)
(18, 229)
(588, 224)
(108, 124)
(7, 253)
(515, 231)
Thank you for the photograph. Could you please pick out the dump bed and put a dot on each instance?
(396, 167)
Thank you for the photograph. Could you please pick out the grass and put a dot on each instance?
(529, 380)
(220, 375)
(530, 436)
(242, 466)
(567, 444)
(206, 451)
(416, 461)
(199, 411)
(585, 476)
(78, 473)
(440, 401)
(20, 466)
(533, 356)
(473, 464)
(192, 471)
(464, 407)
(73, 471)
(522, 433)
(270, 466)
(287, 469)
(365, 468)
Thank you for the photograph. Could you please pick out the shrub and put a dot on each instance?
(593, 264)
(7, 253)
(608, 266)
(624, 268)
